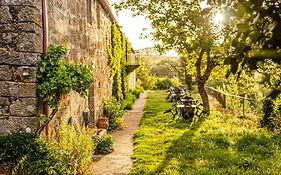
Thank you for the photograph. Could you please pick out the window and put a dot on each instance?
(89, 12)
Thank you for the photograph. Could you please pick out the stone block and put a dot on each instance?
(7, 39)
(16, 89)
(33, 3)
(28, 27)
(24, 107)
(4, 111)
(29, 14)
(6, 16)
(4, 101)
(6, 28)
(17, 124)
(19, 58)
(6, 73)
(25, 74)
(26, 14)
(28, 42)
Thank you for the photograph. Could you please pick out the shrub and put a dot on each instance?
(79, 146)
(166, 83)
(114, 111)
(128, 105)
(136, 92)
(271, 114)
(163, 83)
(129, 102)
(31, 155)
(144, 79)
(56, 76)
(268, 111)
(104, 145)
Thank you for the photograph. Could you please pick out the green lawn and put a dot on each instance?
(216, 145)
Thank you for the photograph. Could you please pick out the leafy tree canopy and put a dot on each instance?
(165, 68)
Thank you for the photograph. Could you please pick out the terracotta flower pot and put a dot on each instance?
(103, 123)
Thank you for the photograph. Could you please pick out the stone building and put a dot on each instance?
(26, 28)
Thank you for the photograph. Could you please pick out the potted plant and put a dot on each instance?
(103, 123)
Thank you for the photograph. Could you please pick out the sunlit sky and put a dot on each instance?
(133, 27)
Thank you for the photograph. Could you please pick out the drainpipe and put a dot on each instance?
(45, 26)
(46, 110)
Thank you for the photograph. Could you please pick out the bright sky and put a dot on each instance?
(133, 27)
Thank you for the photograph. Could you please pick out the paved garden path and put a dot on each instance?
(119, 162)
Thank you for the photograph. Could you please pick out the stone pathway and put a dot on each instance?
(119, 162)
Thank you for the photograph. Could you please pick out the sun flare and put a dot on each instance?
(218, 18)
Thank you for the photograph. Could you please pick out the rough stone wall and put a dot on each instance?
(83, 26)
(20, 48)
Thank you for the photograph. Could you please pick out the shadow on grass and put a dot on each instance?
(215, 145)
(200, 153)
(180, 148)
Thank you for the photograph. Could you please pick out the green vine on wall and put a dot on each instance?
(119, 58)
(57, 77)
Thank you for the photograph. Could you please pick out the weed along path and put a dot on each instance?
(119, 162)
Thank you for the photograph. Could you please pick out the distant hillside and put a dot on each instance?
(153, 55)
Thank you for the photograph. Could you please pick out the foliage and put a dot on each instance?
(131, 98)
(79, 147)
(119, 57)
(213, 145)
(164, 69)
(255, 39)
(271, 73)
(136, 92)
(246, 86)
(114, 111)
(104, 145)
(57, 77)
(184, 72)
(268, 111)
(255, 35)
(248, 33)
(187, 28)
(30, 155)
(149, 81)
(145, 80)
(129, 102)
(271, 114)
(166, 83)
(34, 155)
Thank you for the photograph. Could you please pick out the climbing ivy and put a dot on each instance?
(119, 58)
(57, 77)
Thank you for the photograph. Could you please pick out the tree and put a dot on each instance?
(184, 72)
(186, 27)
(164, 69)
(249, 33)
(255, 31)
(143, 77)
(255, 35)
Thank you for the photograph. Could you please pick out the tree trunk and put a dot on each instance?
(202, 79)
(188, 81)
(204, 97)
